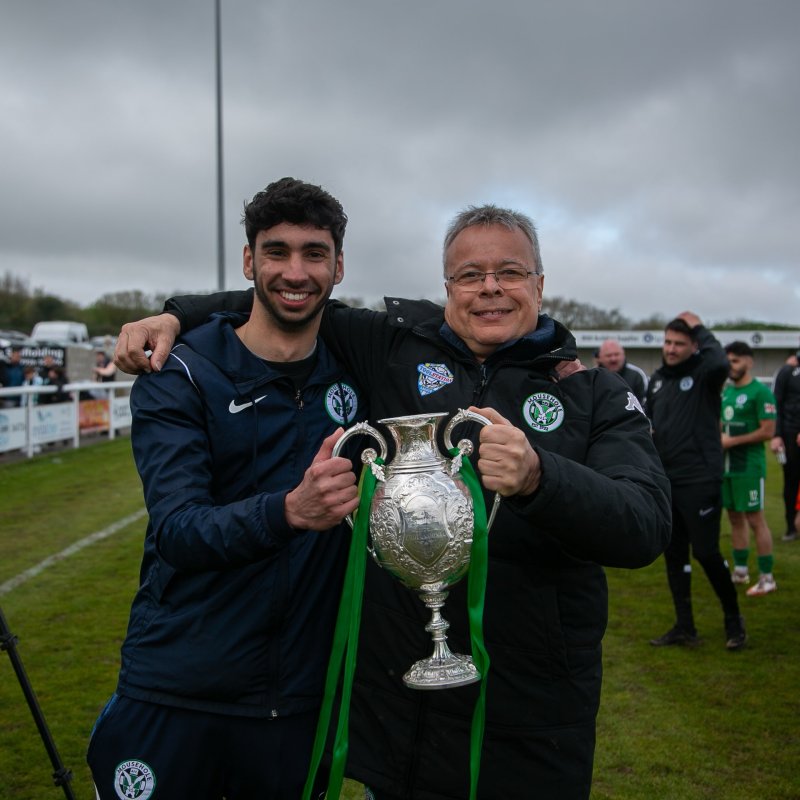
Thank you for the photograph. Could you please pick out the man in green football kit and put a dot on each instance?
(748, 420)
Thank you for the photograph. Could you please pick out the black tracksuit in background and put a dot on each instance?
(683, 403)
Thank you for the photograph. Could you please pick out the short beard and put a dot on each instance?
(291, 324)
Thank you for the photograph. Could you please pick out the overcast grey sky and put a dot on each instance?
(654, 144)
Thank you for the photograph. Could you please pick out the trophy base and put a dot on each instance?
(442, 673)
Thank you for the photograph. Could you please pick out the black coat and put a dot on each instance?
(787, 395)
(683, 403)
(603, 500)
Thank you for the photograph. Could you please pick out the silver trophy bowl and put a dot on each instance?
(421, 523)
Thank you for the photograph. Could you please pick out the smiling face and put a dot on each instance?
(491, 316)
(294, 269)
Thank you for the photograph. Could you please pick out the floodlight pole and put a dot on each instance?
(8, 642)
(220, 183)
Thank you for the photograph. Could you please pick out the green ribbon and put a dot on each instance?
(345, 643)
(476, 594)
(348, 621)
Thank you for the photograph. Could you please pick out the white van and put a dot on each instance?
(60, 332)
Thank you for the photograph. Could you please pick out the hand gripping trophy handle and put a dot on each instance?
(465, 448)
(421, 524)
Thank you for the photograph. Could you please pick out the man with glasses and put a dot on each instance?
(571, 453)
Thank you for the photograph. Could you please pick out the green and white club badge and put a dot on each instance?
(543, 412)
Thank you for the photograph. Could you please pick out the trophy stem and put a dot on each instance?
(443, 669)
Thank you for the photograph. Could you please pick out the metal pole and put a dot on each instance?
(220, 185)
(8, 642)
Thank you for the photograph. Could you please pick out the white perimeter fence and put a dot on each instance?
(26, 423)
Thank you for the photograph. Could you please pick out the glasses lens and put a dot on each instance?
(510, 276)
(471, 279)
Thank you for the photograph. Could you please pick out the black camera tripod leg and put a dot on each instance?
(8, 642)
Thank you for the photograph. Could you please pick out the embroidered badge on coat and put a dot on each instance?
(543, 412)
(134, 780)
(433, 377)
(341, 403)
(686, 383)
(633, 403)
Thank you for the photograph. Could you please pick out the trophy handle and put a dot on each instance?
(367, 457)
(465, 448)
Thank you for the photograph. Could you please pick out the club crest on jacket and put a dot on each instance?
(543, 412)
(341, 403)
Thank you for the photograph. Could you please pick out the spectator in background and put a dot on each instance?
(48, 363)
(683, 399)
(11, 375)
(611, 355)
(748, 420)
(104, 371)
(31, 378)
(786, 442)
(104, 368)
(54, 376)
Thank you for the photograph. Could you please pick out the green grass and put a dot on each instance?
(674, 723)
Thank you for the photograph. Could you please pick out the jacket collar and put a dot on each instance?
(217, 341)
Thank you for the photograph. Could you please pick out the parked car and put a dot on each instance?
(105, 343)
(15, 339)
(60, 332)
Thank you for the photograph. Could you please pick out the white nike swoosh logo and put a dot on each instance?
(704, 512)
(235, 409)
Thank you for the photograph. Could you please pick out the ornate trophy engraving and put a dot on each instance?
(421, 525)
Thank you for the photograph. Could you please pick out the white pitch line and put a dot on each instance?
(75, 547)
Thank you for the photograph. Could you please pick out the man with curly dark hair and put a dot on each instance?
(224, 663)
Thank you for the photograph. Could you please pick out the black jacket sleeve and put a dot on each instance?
(195, 309)
(715, 361)
(614, 508)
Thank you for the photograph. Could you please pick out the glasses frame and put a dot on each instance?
(476, 286)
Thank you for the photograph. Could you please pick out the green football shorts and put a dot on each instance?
(743, 493)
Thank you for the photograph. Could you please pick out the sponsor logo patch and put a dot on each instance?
(134, 780)
(341, 403)
(543, 412)
(433, 377)
(633, 403)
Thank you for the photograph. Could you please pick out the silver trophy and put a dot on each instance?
(421, 524)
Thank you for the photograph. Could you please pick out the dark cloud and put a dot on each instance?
(652, 143)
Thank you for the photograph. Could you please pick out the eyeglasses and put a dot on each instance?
(508, 278)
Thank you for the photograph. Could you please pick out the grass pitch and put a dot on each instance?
(674, 723)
